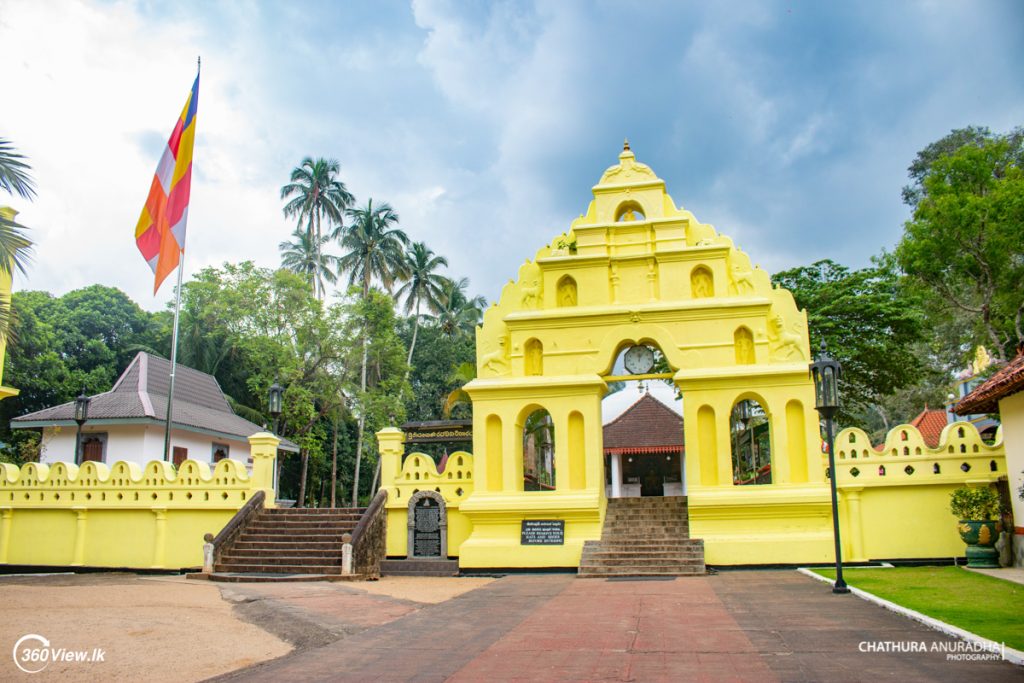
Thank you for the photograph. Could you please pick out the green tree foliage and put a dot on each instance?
(252, 326)
(964, 245)
(434, 374)
(82, 339)
(868, 321)
(380, 402)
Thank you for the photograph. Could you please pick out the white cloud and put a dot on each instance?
(96, 98)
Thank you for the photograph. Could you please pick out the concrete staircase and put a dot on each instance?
(644, 537)
(288, 544)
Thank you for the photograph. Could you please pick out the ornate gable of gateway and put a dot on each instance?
(635, 257)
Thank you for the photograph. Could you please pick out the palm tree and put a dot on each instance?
(424, 286)
(15, 247)
(459, 314)
(374, 247)
(316, 193)
(305, 256)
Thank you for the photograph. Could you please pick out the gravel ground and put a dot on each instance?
(150, 628)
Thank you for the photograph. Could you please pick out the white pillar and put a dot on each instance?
(616, 475)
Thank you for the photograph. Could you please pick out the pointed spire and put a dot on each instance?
(625, 145)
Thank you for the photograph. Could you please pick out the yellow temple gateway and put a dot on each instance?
(639, 277)
(640, 289)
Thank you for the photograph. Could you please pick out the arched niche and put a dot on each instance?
(743, 342)
(629, 211)
(567, 293)
(538, 450)
(495, 476)
(533, 357)
(428, 526)
(750, 437)
(702, 283)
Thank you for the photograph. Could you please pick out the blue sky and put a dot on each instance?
(788, 126)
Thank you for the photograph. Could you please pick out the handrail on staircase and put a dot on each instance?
(370, 531)
(237, 524)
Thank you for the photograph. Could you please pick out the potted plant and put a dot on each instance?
(978, 511)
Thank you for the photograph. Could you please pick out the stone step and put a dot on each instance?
(600, 555)
(289, 512)
(270, 577)
(236, 552)
(274, 560)
(311, 522)
(260, 568)
(679, 546)
(641, 561)
(649, 566)
(306, 519)
(282, 546)
(301, 530)
(263, 537)
(419, 567)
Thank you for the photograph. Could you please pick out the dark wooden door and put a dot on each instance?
(92, 449)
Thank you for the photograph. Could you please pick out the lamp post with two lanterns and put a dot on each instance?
(825, 371)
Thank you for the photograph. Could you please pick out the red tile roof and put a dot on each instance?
(646, 426)
(985, 397)
(930, 423)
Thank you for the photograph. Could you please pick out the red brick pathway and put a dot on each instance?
(737, 626)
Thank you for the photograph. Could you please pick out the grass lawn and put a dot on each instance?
(983, 605)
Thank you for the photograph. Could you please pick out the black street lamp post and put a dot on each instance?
(275, 394)
(825, 371)
(274, 398)
(81, 416)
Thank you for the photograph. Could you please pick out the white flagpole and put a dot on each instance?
(174, 357)
(174, 337)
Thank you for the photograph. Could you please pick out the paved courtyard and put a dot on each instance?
(737, 626)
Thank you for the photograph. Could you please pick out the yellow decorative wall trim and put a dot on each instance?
(961, 457)
(124, 515)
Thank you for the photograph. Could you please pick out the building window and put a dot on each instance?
(94, 447)
(180, 455)
(220, 452)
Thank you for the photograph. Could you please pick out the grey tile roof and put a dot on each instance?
(141, 393)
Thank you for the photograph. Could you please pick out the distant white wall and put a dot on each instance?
(136, 443)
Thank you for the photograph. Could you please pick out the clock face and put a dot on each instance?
(639, 359)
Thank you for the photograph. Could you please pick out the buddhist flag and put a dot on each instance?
(160, 233)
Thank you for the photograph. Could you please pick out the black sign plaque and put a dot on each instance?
(543, 532)
(427, 529)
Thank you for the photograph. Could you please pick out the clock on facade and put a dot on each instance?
(638, 359)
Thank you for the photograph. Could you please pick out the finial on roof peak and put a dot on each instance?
(625, 145)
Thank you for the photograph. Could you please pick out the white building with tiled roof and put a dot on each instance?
(127, 422)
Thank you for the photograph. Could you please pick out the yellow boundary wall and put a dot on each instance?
(125, 515)
(895, 503)
(419, 473)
